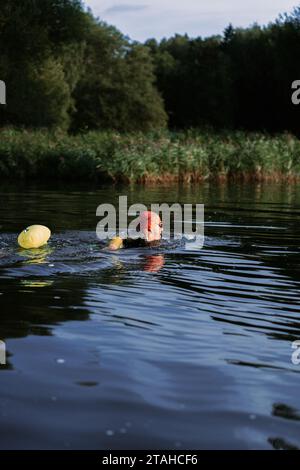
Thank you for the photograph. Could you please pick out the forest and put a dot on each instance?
(66, 69)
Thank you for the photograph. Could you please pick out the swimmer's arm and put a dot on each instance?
(115, 244)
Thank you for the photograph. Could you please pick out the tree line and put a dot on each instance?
(64, 68)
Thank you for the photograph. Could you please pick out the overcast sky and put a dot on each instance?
(163, 18)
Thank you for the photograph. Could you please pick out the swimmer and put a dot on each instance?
(150, 223)
(151, 233)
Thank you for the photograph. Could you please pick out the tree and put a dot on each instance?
(117, 88)
(193, 78)
(41, 45)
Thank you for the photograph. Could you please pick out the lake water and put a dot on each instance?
(162, 348)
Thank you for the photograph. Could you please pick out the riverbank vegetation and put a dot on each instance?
(93, 104)
(154, 157)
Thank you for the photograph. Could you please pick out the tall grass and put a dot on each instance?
(186, 156)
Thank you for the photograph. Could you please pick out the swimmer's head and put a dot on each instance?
(151, 226)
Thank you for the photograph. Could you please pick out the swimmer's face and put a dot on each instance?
(155, 233)
(151, 226)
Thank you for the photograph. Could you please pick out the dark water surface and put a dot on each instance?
(162, 348)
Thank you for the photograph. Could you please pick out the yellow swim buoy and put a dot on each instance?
(34, 236)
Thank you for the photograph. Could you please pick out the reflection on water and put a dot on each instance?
(154, 263)
(35, 255)
(160, 348)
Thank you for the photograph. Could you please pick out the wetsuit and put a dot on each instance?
(139, 243)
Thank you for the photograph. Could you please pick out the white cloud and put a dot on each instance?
(164, 18)
(121, 8)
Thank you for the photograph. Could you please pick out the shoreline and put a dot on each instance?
(156, 158)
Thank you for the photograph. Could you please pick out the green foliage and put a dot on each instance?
(241, 80)
(117, 89)
(191, 155)
(40, 60)
(33, 29)
(194, 80)
(42, 97)
(62, 65)
(65, 69)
